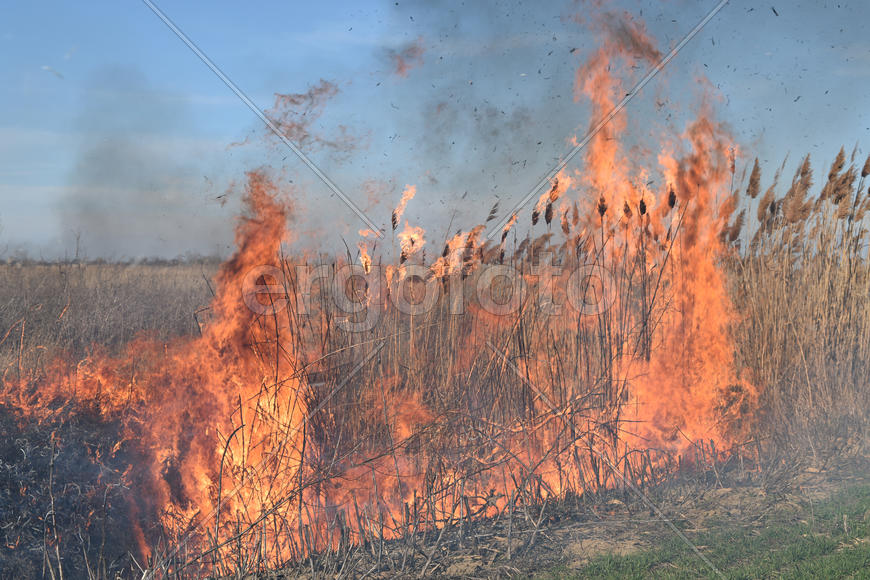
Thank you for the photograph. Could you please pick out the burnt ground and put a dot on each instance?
(59, 494)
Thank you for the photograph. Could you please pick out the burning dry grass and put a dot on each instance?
(425, 422)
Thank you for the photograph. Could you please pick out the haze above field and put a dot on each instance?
(116, 138)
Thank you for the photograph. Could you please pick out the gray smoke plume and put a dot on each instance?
(138, 187)
(490, 110)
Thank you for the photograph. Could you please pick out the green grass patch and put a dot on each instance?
(812, 543)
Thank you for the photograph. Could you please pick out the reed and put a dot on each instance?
(802, 283)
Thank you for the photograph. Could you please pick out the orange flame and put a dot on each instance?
(407, 195)
(411, 241)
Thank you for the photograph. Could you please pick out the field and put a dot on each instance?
(326, 417)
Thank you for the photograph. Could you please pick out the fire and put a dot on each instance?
(504, 234)
(364, 257)
(407, 195)
(560, 184)
(251, 427)
(411, 241)
(682, 385)
(179, 402)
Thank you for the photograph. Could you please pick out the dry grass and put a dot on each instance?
(50, 309)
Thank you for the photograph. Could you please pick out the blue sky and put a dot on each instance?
(114, 134)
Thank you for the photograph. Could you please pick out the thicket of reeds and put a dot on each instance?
(801, 282)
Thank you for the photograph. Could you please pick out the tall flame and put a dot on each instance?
(179, 402)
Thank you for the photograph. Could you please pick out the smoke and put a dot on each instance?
(297, 115)
(138, 187)
(406, 58)
(483, 117)
(486, 114)
(491, 109)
